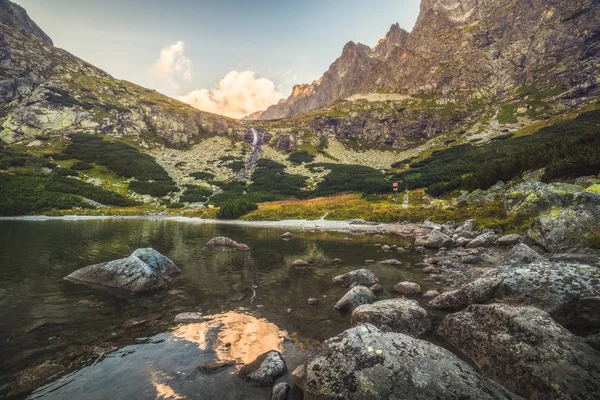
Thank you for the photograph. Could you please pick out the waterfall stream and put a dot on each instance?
(246, 173)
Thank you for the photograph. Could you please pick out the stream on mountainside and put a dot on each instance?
(122, 348)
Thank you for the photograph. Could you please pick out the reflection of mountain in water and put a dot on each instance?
(167, 366)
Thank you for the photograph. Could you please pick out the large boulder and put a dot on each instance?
(570, 293)
(508, 240)
(355, 297)
(393, 315)
(525, 350)
(532, 197)
(484, 240)
(362, 277)
(129, 275)
(407, 288)
(366, 363)
(437, 239)
(225, 242)
(565, 226)
(265, 369)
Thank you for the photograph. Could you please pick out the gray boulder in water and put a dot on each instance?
(265, 369)
(366, 363)
(393, 315)
(525, 350)
(143, 271)
(222, 241)
(363, 277)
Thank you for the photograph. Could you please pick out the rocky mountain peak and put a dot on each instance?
(395, 39)
(15, 16)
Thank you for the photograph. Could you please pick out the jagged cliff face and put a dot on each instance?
(47, 91)
(468, 49)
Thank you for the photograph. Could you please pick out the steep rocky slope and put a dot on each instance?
(46, 91)
(469, 49)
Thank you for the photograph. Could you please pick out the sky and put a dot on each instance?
(232, 57)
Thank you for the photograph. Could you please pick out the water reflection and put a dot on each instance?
(239, 337)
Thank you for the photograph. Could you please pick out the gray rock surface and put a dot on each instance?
(484, 240)
(570, 293)
(525, 350)
(523, 254)
(393, 315)
(265, 369)
(365, 363)
(508, 240)
(15, 16)
(222, 241)
(437, 239)
(355, 297)
(188, 317)
(361, 276)
(157, 261)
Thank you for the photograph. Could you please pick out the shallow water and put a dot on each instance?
(45, 318)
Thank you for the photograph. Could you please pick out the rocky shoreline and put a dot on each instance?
(498, 294)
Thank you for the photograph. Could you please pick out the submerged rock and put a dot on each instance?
(393, 315)
(361, 276)
(570, 293)
(407, 288)
(280, 391)
(188, 318)
(393, 261)
(355, 297)
(299, 263)
(222, 241)
(130, 275)
(265, 369)
(286, 235)
(525, 350)
(213, 367)
(366, 363)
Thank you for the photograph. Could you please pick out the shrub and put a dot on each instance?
(350, 178)
(271, 182)
(175, 205)
(202, 175)
(235, 208)
(301, 157)
(81, 166)
(154, 189)
(236, 166)
(65, 172)
(195, 194)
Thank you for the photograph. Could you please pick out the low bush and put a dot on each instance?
(65, 172)
(202, 175)
(300, 157)
(81, 166)
(235, 208)
(195, 194)
(350, 178)
(154, 189)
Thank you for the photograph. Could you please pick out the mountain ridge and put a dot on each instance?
(468, 49)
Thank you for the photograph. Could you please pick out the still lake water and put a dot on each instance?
(48, 320)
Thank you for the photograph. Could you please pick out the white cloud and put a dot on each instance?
(172, 65)
(236, 95)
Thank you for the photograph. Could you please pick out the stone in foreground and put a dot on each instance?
(355, 297)
(393, 315)
(129, 275)
(366, 363)
(570, 293)
(222, 241)
(280, 391)
(265, 369)
(363, 277)
(437, 239)
(525, 350)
